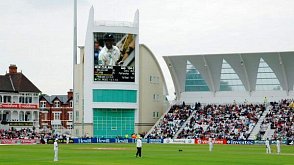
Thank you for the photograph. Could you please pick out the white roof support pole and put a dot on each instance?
(209, 75)
(242, 63)
(284, 74)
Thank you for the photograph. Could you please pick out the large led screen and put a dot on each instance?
(114, 57)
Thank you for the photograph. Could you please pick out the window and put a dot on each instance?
(71, 104)
(0, 99)
(56, 116)
(7, 99)
(56, 104)
(45, 116)
(77, 115)
(70, 117)
(154, 79)
(21, 99)
(69, 126)
(156, 97)
(28, 99)
(229, 80)
(77, 98)
(155, 115)
(194, 80)
(42, 104)
(266, 78)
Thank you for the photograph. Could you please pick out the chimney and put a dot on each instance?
(12, 69)
(69, 94)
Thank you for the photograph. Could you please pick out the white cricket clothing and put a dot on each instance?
(67, 140)
(268, 147)
(278, 146)
(55, 151)
(139, 143)
(109, 56)
(210, 142)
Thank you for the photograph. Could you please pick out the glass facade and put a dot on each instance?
(194, 80)
(229, 80)
(266, 78)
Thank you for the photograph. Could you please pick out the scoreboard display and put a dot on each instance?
(114, 57)
(114, 73)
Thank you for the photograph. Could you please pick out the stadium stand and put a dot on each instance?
(19, 134)
(279, 122)
(172, 121)
(224, 121)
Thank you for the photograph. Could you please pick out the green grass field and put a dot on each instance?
(153, 154)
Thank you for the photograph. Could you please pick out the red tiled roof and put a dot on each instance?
(17, 82)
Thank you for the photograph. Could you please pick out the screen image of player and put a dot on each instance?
(114, 57)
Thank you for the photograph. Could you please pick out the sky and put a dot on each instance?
(37, 35)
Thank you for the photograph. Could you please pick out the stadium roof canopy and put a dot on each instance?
(248, 72)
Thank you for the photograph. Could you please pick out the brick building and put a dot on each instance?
(56, 112)
(19, 101)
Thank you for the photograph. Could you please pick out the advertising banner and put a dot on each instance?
(205, 141)
(179, 141)
(20, 124)
(19, 106)
(19, 141)
(154, 140)
(123, 140)
(247, 142)
(51, 141)
(262, 142)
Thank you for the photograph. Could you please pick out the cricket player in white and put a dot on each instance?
(55, 150)
(268, 147)
(210, 144)
(139, 147)
(278, 146)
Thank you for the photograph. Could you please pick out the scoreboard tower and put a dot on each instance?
(107, 96)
